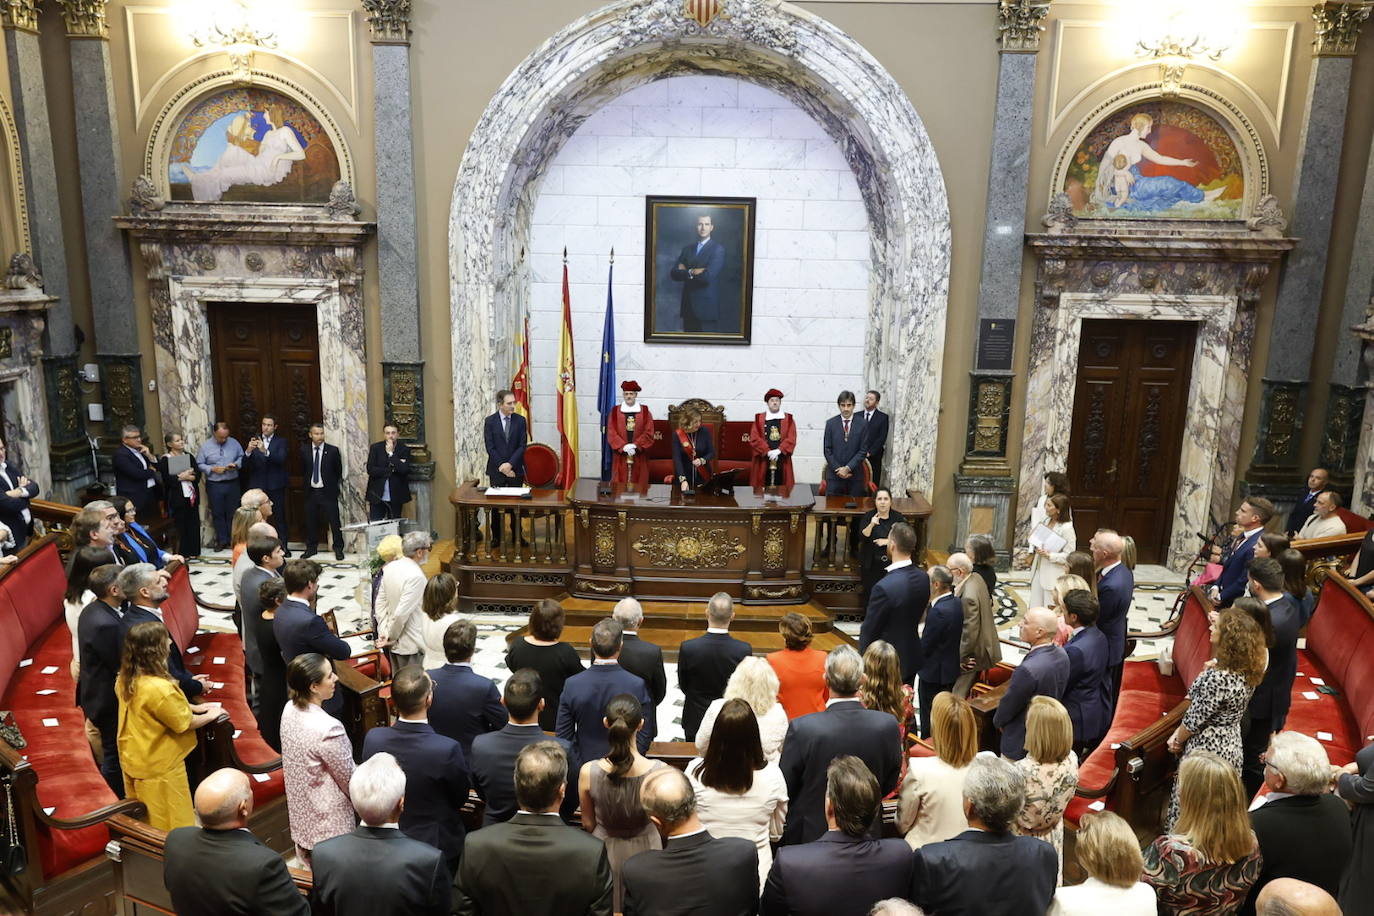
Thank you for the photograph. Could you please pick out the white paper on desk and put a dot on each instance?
(50, 723)
(217, 660)
(51, 669)
(1042, 536)
(1323, 736)
(46, 693)
(1311, 695)
(507, 491)
(1318, 681)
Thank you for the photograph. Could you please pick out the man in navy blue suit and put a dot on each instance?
(136, 474)
(877, 423)
(505, 434)
(323, 473)
(700, 267)
(265, 461)
(1086, 697)
(1272, 697)
(1305, 504)
(705, 663)
(15, 492)
(1044, 672)
(845, 445)
(582, 707)
(898, 602)
(1254, 513)
(436, 770)
(845, 869)
(466, 704)
(939, 643)
(493, 754)
(1115, 589)
(299, 629)
(100, 644)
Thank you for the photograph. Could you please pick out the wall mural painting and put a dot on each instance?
(251, 145)
(1157, 160)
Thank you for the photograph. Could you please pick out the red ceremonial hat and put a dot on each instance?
(772, 393)
(629, 385)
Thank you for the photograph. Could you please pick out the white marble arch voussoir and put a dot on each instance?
(1216, 401)
(803, 57)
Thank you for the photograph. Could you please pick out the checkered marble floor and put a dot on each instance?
(344, 585)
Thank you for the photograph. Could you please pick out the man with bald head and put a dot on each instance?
(1291, 897)
(1115, 587)
(1044, 672)
(220, 868)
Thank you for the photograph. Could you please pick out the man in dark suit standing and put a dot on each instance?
(1086, 695)
(265, 462)
(220, 868)
(323, 473)
(877, 423)
(1044, 672)
(494, 754)
(466, 704)
(377, 870)
(582, 705)
(388, 475)
(100, 645)
(136, 474)
(940, 643)
(1271, 699)
(1251, 517)
(1304, 505)
(898, 602)
(705, 663)
(534, 864)
(694, 872)
(1115, 590)
(435, 768)
(844, 447)
(267, 556)
(845, 870)
(299, 629)
(144, 587)
(505, 434)
(699, 269)
(15, 492)
(639, 656)
(843, 727)
(987, 870)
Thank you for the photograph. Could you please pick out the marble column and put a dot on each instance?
(1274, 470)
(985, 484)
(403, 375)
(102, 198)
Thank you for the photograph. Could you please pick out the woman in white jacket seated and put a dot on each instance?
(1109, 853)
(1048, 565)
(754, 682)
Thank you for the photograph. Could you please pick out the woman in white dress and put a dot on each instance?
(1048, 566)
(756, 683)
(739, 792)
(1055, 482)
(930, 806)
(1108, 851)
(438, 603)
(277, 150)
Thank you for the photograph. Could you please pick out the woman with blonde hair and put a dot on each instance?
(930, 807)
(440, 604)
(1208, 861)
(245, 517)
(1051, 770)
(1109, 852)
(388, 550)
(754, 682)
(882, 689)
(157, 728)
(800, 668)
(1062, 586)
(1219, 696)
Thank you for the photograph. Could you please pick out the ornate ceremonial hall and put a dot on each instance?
(499, 336)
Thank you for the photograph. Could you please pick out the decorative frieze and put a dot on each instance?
(85, 18)
(19, 14)
(403, 388)
(1338, 28)
(388, 20)
(989, 410)
(1341, 435)
(23, 273)
(1018, 24)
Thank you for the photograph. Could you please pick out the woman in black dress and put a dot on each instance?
(541, 650)
(272, 679)
(874, 526)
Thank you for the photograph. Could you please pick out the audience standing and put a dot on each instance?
(884, 690)
(940, 658)
(145, 590)
(582, 717)
(323, 473)
(1087, 695)
(316, 756)
(494, 754)
(554, 660)
(874, 532)
(1268, 710)
(79, 595)
(979, 648)
(1115, 591)
(704, 664)
(800, 668)
(754, 682)
(1047, 566)
(1043, 672)
(100, 648)
(639, 656)
(1051, 770)
(297, 627)
(1251, 518)
(388, 476)
(1290, 897)
(930, 807)
(439, 604)
(272, 691)
(265, 462)
(1110, 854)
(135, 471)
(1355, 784)
(219, 459)
(266, 556)
(466, 704)
(401, 616)
(897, 603)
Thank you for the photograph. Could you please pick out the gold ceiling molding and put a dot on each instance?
(85, 18)
(1337, 28)
(388, 20)
(19, 14)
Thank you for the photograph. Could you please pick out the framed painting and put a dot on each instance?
(249, 144)
(1161, 159)
(698, 269)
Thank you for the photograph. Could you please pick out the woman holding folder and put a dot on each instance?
(1051, 542)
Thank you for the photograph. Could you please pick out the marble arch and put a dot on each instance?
(628, 43)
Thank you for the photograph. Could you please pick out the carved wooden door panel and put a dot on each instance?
(266, 360)
(1129, 409)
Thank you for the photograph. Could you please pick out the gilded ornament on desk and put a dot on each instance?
(692, 548)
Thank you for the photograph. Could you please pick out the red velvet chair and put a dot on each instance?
(869, 486)
(541, 466)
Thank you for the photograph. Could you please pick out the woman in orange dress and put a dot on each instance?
(800, 669)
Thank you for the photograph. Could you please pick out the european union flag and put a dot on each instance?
(605, 392)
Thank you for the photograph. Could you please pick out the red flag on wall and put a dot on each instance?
(520, 382)
(567, 391)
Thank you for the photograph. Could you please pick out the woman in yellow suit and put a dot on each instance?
(157, 728)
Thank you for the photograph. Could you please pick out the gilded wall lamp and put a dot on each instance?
(1179, 39)
(234, 26)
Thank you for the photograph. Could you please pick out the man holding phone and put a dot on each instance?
(265, 461)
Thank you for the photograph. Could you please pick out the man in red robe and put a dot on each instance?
(630, 433)
(773, 437)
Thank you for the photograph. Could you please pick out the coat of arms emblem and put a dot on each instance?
(703, 11)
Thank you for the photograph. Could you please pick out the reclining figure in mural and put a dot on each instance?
(1120, 185)
(241, 163)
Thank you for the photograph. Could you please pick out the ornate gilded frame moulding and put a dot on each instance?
(159, 138)
(1254, 159)
(16, 169)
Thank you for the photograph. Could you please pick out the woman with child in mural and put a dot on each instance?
(1159, 160)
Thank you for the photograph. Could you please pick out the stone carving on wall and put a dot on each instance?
(19, 14)
(1268, 217)
(388, 20)
(23, 273)
(1341, 438)
(1018, 22)
(990, 405)
(1338, 27)
(85, 18)
(343, 203)
(145, 198)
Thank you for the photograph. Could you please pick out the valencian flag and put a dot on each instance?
(567, 391)
(520, 382)
(605, 392)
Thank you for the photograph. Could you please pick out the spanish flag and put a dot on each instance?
(567, 391)
(520, 382)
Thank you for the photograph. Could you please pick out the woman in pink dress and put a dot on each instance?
(316, 757)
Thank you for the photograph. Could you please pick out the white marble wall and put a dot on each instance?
(21, 381)
(723, 137)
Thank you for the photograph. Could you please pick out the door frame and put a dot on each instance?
(1216, 402)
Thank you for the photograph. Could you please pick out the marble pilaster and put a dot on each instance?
(797, 54)
(23, 400)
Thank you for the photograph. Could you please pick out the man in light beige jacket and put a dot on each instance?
(978, 645)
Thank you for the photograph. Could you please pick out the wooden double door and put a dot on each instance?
(1129, 411)
(267, 362)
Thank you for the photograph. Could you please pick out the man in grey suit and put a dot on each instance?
(534, 864)
(699, 268)
(1044, 672)
(978, 645)
(845, 446)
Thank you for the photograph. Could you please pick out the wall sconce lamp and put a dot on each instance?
(236, 28)
(1176, 43)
